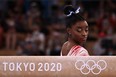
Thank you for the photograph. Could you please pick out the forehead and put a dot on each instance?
(81, 24)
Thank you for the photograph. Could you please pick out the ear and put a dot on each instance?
(69, 30)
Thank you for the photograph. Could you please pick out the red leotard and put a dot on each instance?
(77, 50)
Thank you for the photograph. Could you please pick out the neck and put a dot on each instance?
(74, 42)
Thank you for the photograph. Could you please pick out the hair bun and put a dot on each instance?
(68, 9)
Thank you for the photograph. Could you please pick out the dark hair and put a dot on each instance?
(73, 17)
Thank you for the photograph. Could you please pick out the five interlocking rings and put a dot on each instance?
(90, 68)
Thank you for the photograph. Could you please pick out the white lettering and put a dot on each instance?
(11, 66)
(15, 66)
(32, 66)
(25, 66)
(4, 65)
(18, 66)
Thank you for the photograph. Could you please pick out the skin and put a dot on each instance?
(78, 34)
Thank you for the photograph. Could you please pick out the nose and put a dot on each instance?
(84, 33)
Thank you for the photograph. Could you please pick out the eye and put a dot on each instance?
(79, 29)
(86, 29)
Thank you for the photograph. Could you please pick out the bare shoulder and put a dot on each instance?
(65, 49)
(65, 44)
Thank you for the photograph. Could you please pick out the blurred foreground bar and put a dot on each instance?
(56, 66)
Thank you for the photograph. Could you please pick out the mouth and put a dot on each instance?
(83, 39)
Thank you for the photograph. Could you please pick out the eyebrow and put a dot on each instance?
(81, 26)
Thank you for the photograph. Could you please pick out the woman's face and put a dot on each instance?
(79, 32)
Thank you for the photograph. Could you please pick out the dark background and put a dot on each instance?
(37, 27)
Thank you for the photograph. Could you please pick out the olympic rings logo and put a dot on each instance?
(86, 68)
